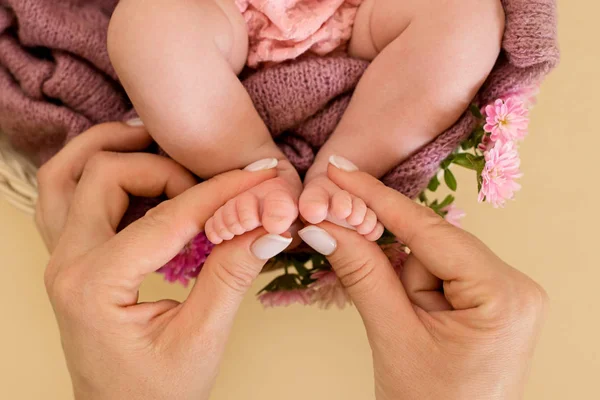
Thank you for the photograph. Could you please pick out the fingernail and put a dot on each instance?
(342, 163)
(269, 246)
(318, 239)
(135, 122)
(261, 165)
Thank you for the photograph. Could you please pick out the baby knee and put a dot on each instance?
(214, 23)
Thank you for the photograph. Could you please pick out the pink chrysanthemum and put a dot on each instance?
(284, 298)
(506, 120)
(454, 215)
(500, 174)
(187, 264)
(328, 290)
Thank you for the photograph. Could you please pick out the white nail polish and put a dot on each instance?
(342, 163)
(135, 122)
(262, 165)
(269, 246)
(318, 239)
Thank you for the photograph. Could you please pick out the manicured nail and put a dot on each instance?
(318, 239)
(342, 163)
(261, 165)
(269, 246)
(135, 122)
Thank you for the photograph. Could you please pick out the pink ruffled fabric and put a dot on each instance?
(282, 30)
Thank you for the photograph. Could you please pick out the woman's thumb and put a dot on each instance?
(227, 275)
(365, 272)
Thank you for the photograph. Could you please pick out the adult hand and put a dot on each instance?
(116, 348)
(461, 323)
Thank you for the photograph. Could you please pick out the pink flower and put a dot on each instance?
(283, 298)
(454, 215)
(486, 143)
(506, 120)
(499, 174)
(187, 264)
(328, 290)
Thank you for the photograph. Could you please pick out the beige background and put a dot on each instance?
(550, 233)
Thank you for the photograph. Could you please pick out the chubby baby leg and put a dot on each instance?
(429, 60)
(178, 61)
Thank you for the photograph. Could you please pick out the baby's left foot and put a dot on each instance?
(324, 200)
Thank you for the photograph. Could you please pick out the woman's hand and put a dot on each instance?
(461, 325)
(116, 348)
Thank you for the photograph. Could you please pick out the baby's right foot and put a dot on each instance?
(273, 205)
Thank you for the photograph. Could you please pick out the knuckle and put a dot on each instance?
(535, 298)
(236, 276)
(163, 218)
(62, 288)
(47, 173)
(353, 272)
(429, 224)
(99, 164)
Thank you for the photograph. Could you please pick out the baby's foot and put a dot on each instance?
(273, 205)
(324, 200)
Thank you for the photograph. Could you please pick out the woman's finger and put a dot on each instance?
(441, 247)
(102, 196)
(153, 240)
(58, 178)
(423, 288)
(366, 273)
(225, 278)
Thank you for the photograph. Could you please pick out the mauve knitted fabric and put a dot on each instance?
(56, 81)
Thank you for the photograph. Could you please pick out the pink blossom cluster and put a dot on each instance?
(506, 124)
(188, 262)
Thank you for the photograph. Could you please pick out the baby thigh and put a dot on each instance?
(178, 61)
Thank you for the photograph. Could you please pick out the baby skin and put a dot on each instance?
(429, 58)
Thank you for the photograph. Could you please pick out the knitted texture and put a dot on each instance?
(56, 81)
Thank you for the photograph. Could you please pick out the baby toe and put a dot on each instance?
(341, 205)
(220, 227)
(359, 210)
(314, 204)
(211, 234)
(368, 223)
(279, 211)
(376, 233)
(230, 218)
(248, 208)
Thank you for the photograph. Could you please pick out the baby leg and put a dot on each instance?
(178, 61)
(429, 59)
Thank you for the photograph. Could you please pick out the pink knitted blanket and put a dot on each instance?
(56, 81)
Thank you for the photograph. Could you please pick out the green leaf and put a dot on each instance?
(447, 201)
(434, 183)
(423, 197)
(475, 111)
(469, 161)
(479, 181)
(478, 135)
(446, 163)
(450, 179)
(301, 269)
